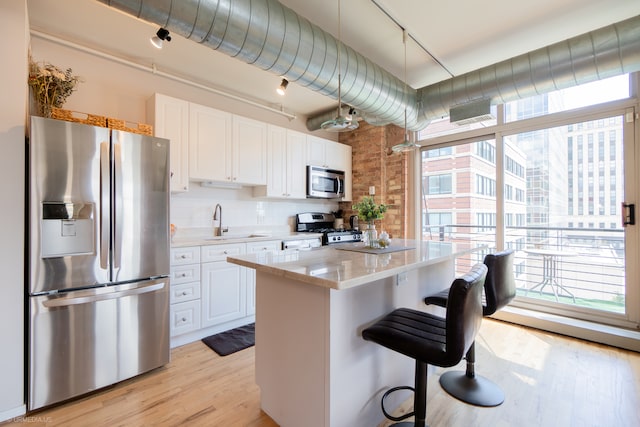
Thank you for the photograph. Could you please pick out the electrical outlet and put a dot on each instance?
(402, 279)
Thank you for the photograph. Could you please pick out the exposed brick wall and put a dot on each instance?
(373, 165)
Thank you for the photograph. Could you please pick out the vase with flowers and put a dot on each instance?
(369, 211)
(50, 86)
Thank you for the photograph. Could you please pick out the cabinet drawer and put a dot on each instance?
(268, 246)
(221, 252)
(185, 292)
(188, 255)
(185, 317)
(185, 273)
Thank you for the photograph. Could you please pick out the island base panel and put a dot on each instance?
(312, 365)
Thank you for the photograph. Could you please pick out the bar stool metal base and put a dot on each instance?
(475, 390)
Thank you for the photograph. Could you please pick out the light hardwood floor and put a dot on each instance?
(549, 380)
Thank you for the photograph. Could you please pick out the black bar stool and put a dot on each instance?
(431, 339)
(499, 290)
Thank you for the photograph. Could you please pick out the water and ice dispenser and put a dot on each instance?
(67, 229)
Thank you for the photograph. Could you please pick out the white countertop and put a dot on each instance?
(203, 240)
(334, 268)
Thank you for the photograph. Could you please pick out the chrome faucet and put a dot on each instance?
(217, 216)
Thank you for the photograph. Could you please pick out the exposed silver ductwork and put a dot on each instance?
(599, 54)
(273, 37)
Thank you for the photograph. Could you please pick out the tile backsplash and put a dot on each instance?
(194, 209)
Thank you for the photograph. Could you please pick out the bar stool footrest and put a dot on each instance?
(391, 417)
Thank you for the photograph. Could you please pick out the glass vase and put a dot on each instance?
(371, 235)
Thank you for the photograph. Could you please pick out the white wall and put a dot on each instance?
(120, 91)
(13, 51)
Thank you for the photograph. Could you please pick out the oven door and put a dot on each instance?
(324, 183)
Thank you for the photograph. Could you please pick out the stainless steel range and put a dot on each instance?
(317, 222)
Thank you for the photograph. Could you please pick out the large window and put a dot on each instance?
(568, 99)
(559, 200)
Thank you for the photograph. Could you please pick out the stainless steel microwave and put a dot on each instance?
(325, 183)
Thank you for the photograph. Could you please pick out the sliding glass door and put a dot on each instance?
(570, 240)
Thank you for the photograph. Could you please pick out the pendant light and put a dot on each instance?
(405, 145)
(340, 123)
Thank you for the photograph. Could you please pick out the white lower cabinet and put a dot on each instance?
(185, 317)
(210, 295)
(224, 285)
(224, 288)
(184, 309)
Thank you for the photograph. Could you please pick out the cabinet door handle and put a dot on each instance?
(183, 256)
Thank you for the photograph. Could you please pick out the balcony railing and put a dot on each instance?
(576, 266)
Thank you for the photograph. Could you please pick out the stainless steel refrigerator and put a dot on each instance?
(98, 248)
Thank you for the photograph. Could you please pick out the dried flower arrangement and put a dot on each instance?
(51, 86)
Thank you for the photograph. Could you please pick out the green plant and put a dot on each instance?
(368, 210)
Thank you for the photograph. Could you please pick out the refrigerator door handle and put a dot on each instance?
(95, 297)
(118, 223)
(105, 197)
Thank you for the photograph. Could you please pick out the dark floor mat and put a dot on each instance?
(229, 342)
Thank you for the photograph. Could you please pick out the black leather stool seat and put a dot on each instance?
(431, 339)
(415, 334)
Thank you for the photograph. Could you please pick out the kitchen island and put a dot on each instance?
(312, 365)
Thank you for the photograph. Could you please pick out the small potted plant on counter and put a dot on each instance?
(369, 211)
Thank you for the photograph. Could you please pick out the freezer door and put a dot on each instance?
(140, 206)
(66, 246)
(80, 341)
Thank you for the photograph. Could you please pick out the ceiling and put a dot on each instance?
(444, 40)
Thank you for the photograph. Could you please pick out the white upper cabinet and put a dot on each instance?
(327, 154)
(296, 165)
(343, 156)
(213, 145)
(170, 119)
(249, 151)
(226, 148)
(286, 164)
(210, 145)
(317, 151)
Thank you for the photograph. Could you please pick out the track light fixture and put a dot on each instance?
(162, 34)
(283, 87)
